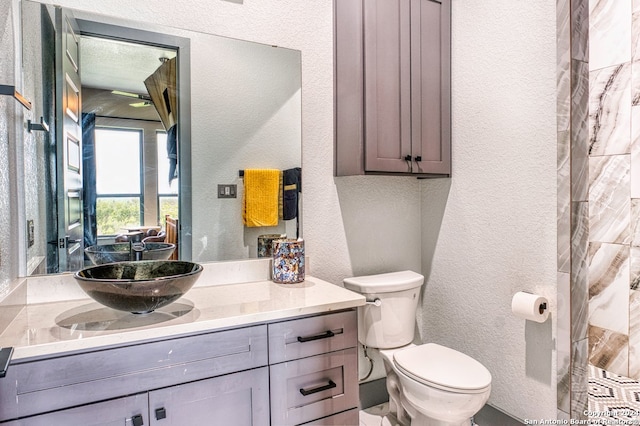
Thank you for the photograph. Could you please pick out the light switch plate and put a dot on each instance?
(227, 190)
(30, 232)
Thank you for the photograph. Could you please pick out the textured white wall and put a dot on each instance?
(491, 230)
(10, 112)
(33, 142)
(6, 116)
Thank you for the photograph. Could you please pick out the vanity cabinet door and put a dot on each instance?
(127, 411)
(239, 399)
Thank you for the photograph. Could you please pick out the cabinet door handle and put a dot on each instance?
(329, 385)
(418, 158)
(5, 359)
(137, 420)
(407, 158)
(161, 413)
(324, 335)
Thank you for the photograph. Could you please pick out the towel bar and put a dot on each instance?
(41, 127)
(11, 91)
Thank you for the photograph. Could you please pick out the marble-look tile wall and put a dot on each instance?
(573, 205)
(614, 186)
(563, 58)
(598, 193)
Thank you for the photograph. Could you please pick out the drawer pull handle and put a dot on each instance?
(137, 420)
(328, 386)
(324, 335)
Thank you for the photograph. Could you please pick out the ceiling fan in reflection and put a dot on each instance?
(146, 99)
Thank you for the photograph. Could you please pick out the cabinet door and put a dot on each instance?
(430, 86)
(387, 85)
(128, 411)
(349, 88)
(407, 100)
(239, 399)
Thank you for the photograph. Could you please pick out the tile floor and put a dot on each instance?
(375, 416)
(616, 397)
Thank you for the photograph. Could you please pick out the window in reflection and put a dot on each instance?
(118, 179)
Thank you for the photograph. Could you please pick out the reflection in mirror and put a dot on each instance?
(238, 108)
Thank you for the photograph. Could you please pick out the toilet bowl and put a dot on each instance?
(428, 384)
(439, 386)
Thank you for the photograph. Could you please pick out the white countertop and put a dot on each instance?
(45, 329)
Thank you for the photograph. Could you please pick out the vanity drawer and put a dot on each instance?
(289, 340)
(346, 418)
(313, 388)
(34, 387)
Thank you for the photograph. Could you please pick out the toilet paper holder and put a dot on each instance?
(542, 308)
(529, 306)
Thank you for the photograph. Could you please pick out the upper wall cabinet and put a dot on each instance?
(392, 87)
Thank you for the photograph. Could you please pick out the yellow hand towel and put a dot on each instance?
(261, 195)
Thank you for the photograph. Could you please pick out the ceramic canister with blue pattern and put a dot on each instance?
(288, 261)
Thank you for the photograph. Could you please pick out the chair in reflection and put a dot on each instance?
(158, 238)
(171, 230)
(151, 236)
(129, 236)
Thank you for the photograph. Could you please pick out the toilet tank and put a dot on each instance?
(392, 324)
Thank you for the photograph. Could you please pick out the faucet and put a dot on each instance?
(136, 246)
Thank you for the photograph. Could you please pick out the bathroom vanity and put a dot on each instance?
(255, 353)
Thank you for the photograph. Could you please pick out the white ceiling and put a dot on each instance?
(107, 65)
(116, 65)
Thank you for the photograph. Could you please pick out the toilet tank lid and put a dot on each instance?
(384, 283)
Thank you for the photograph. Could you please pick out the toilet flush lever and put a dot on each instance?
(376, 302)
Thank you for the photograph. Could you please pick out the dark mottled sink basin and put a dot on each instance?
(138, 287)
(121, 252)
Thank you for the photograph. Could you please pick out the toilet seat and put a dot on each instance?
(443, 368)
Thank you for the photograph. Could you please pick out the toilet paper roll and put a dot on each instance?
(532, 307)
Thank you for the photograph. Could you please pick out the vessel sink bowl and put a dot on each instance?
(139, 287)
(121, 252)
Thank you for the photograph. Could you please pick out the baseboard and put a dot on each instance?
(373, 393)
(489, 416)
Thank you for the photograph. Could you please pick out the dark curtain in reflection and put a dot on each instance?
(89, 179)
(172, 152)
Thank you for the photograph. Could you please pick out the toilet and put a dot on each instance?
(428, 384)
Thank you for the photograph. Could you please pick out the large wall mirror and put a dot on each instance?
(147, 123)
